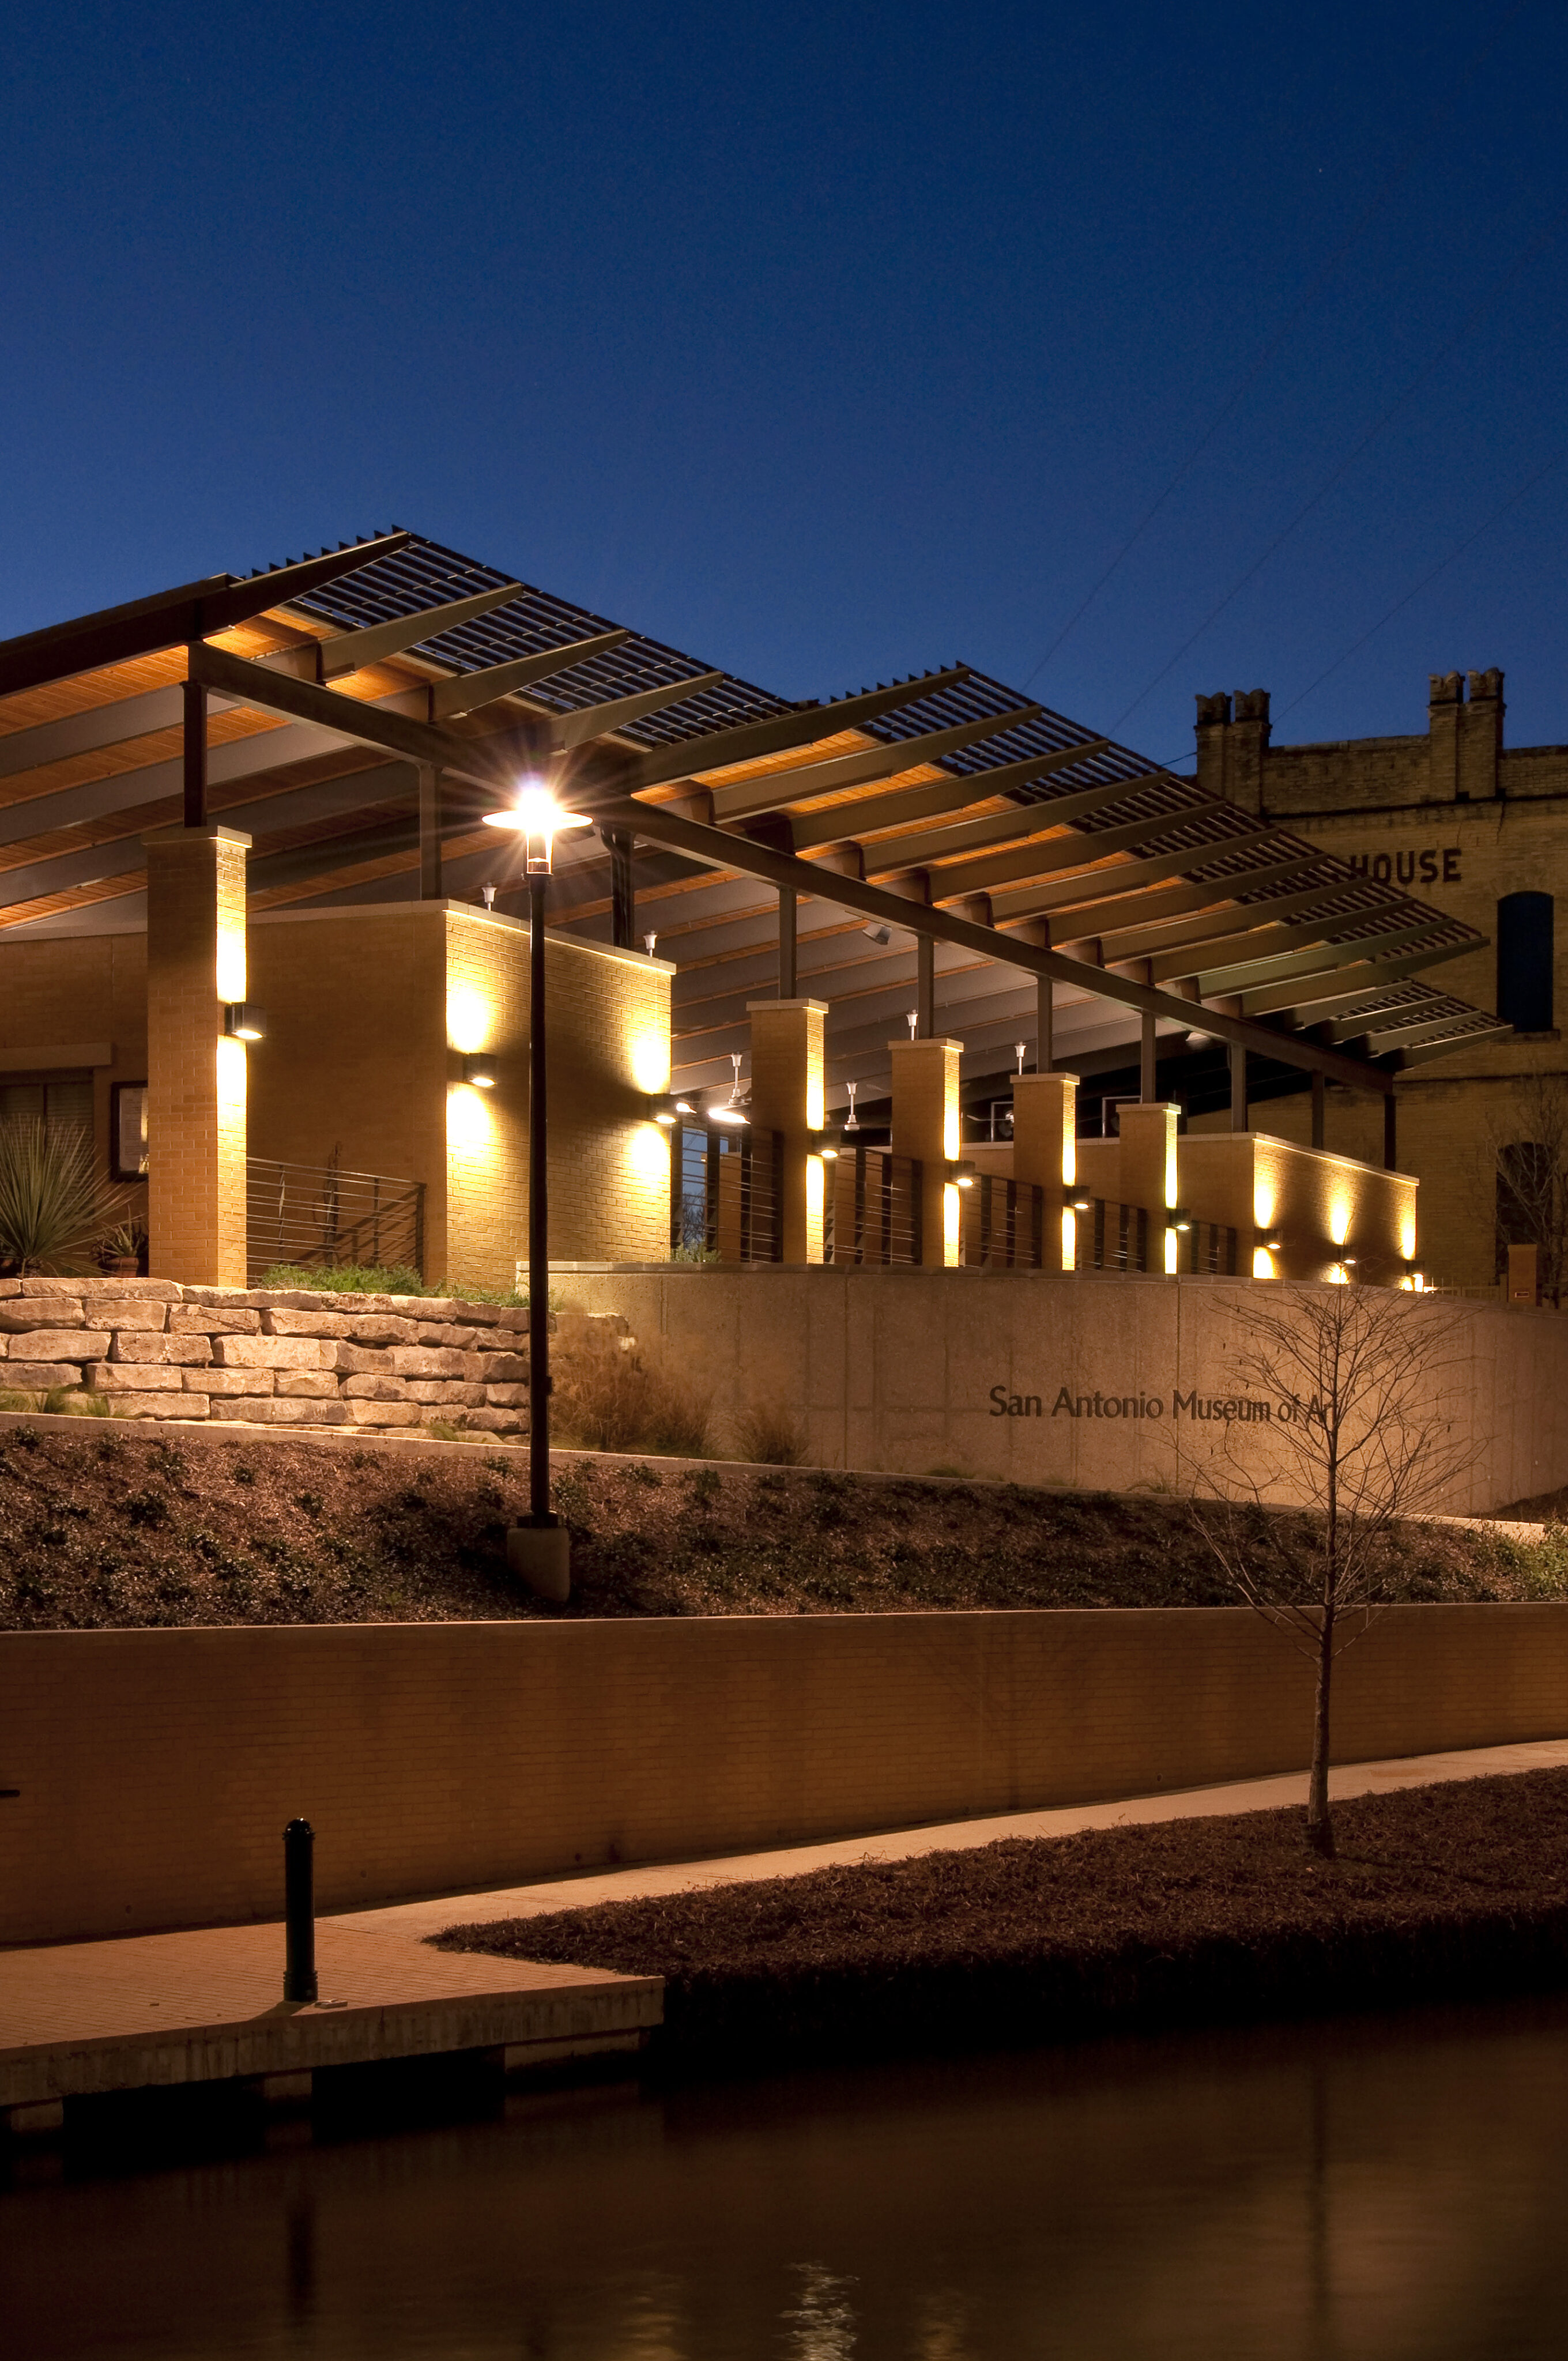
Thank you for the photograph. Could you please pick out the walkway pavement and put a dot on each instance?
(420, 1919)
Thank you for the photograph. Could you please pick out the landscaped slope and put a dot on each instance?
(100, 1526)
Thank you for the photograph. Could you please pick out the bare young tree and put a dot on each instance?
(1524, 1155)
(1353, 1378)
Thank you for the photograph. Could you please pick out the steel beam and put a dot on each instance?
(800, 724)
(1073, 852)
(1113, 918)
(1244, 975)
(1041, 900)
(470, 692)
(747, 797)
(720, 850)
(566, 730)
(350, 651)
(953, 791)
(891, 853)
(118, 634)
(481, 760)
(1345, 984)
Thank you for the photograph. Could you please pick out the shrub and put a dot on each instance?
(54, 1208)
(612, 1401)
(347, 1278)
(771, 1435)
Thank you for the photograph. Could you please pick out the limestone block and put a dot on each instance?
(441, 1332)
(227, 1381)
(234, 1298)
(424, 1307)
(383, 1328)
(279, 1321)
(252, 1410)
(137, 1347)
(212, 1320)
(38, 1376)
(506, 1397)
(9, 1287)
(501, 1368)
(496, 1422)
(426, 1361)
(452, 1391)
(272, 1353)
(291, 1412)
(374, 1389)
(49, 1289)
(145, 1405)
(382, 1413)
(68, 1344)
(143, 1314)
(312, 1385)
(122, 1290)
(51, 1311)
(131, 1376)
(360, 1360)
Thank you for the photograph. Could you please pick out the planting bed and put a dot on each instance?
(102, 1526)
(1438, 1892)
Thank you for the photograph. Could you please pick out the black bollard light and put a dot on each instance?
(298, 1912)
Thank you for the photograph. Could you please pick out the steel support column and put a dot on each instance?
(1390, 1137)
(1148, 1089)
(925, 987)
(788, 944)
(1238, 1086)
(1318, 1110)
(429, 833)
(196, 754)
(1045, 1025)
(622, 889)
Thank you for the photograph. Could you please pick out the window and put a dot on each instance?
(1524, 962)
(127, 1131)
(53, 1098)
(1528, 1201)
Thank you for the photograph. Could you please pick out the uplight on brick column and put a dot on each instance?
(195, 1066)
(1044, 1152)
(926, 1124)
(1148, 1174)
(786, 1097)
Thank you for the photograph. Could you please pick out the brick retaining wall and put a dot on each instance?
(156, 1768)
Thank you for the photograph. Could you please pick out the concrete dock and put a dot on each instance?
(150, 2012)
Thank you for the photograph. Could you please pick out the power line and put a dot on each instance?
(1271, 343)
(1343, 469)
(1468, 542)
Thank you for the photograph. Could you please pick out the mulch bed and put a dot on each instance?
(1457, 1891)
(102, 1527)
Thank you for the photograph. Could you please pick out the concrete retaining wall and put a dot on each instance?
(1101, 1380)
(156, 1769)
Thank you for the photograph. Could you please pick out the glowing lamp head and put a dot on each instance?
(244, 1021)
(479, 1071)
(538, 819)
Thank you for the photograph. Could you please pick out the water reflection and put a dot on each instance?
(1377, 2192)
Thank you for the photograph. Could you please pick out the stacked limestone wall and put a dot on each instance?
(272, 1356)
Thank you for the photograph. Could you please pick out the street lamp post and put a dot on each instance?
(538, 1549)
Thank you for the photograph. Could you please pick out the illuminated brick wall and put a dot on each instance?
(196, 1078)
(64, 993)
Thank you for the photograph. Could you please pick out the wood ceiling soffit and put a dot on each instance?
(793, 728)
(1017, 822)
(76, 897)
(1072, 852)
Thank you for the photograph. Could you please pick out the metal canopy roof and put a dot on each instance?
(1022, 846)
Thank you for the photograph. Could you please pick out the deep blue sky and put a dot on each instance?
(825, 342)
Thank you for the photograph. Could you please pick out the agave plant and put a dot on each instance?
(54, 1206)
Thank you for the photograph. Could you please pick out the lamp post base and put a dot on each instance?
(542, 1555)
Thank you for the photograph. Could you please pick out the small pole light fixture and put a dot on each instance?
(649, 942)
(853, 1121)
(245, 1021)
(912, 1021)
(479, 1068)
(1018, 1049)
(538, 819)
(489, 893)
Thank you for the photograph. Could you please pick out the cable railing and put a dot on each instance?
(1001, 1224)
(318, 1215)
(1111, 1237)
(871, 1214)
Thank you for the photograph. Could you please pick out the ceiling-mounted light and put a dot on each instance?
(730, 1110)
(539, 819)
(243, 1020)
(479, 1068)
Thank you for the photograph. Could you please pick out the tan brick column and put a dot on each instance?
(1148, 1171)
(195, 1076)
(786, 1097)
(1044, 1151)
(926, 1124)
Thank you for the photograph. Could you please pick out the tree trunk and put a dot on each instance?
(1320, 1826)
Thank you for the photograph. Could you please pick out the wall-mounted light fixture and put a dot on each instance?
(960, 1172)
(1271, 1246)
(243, 1020)
(669, 1109)
(824, 1143)
(479, 1068)
(1080, 1204)
(1178, 1218)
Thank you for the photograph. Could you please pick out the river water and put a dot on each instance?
(1363, 2190)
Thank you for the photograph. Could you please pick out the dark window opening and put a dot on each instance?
(1527, 1202)
(1524, 962)
(127, 1131)
(51, 1098)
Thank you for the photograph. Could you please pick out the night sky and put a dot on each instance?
(825, 343)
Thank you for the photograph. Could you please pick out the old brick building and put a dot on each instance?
(1477, 829)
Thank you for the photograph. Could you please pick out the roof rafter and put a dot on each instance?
(953, 791)
(748, 797)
